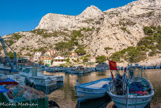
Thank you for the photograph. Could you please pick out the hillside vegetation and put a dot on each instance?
(72, 43)
(150, 45)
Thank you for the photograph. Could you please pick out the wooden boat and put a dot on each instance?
(131, 90)
(34, 76)
(92, 90)
(4, 80)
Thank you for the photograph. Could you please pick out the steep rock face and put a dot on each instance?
(59, 22)
(123, 26)
(116, 28)
(56, 21)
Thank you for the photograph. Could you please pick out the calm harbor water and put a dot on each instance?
(65, 96)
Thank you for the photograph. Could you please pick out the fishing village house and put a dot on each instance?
(36, 57)
(43, 58)
(57, 61)
(47, 57)
(46, 60)
(24, 61)
(73, 55)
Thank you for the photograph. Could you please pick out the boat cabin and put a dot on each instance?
(135, 73)
(31, 71)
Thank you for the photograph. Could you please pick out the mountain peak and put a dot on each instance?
(91, 12)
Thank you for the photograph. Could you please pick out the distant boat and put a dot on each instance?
(92, 90)
(54, 69)
(75, 70)
(102, 67)
(132, 90)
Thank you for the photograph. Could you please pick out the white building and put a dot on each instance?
(59, 60)
(37, 56)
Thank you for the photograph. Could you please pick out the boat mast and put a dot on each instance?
(127, 88)
(127, 94)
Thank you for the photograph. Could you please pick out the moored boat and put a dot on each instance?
(4, 69)
(132, 90)
(92, 90)
(34, 77)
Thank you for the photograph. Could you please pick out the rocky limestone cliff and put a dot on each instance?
(56, 22)
(113, 30)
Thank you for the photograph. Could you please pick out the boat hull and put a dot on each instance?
(89, 94)
(92, 90)
(133, 101)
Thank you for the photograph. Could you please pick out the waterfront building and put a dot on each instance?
(73, 55)
(57, 61)
(36, 57)
(46, 60)
(23, 60)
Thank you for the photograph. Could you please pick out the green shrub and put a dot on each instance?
(76, 33)
(80, 51)
(67, 60)
(62, 46)
(100, 59)
(148, 30)
(45, 34)
(16, 36)
(11, 54)
(125, 30)
(10, 42)
(87, 29)
(108, 48)
(152, 42)
(85, 59)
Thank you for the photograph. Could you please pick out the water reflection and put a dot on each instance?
(65, 97)
(94, 103)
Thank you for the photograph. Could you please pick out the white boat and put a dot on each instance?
(55, 69)
(75, 70)
(132, 90)
(17, 78)
(4, 69)
(92, 90)
(34, 76)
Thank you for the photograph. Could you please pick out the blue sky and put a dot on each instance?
(24, 15)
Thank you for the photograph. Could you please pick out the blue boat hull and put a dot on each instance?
(87, 91)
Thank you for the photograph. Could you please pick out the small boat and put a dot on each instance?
(131, 90)
(75, 70)
(34, 77)
(4, 80)
(92, 90)
(4, 69)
